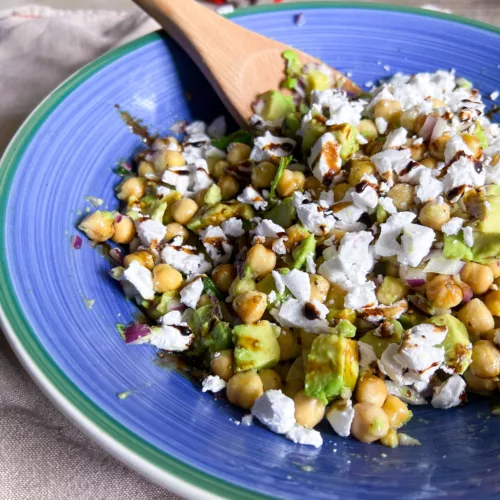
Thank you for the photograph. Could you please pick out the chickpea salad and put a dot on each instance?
(338, 261)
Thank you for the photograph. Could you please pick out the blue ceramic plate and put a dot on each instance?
(166, 428)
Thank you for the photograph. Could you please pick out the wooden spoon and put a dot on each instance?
(239, 63)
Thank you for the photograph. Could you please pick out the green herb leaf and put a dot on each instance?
(210, 288)
(284, 162)
(241, 136)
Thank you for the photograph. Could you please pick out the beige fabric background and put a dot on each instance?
(42, 455)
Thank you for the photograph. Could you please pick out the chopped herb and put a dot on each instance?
(241, 136)
(284, 162)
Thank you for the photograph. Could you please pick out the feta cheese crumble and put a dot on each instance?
(451, 393)
(213, 383)
(276, 411)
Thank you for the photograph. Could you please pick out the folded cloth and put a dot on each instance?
(44, 457)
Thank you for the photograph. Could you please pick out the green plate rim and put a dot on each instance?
(154, 463)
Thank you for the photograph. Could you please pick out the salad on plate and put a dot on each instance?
(337, 261)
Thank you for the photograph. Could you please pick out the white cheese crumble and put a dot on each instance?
(325, 157)
(170, 338)
(463, 172)
(314, 217)
(340, 417)
(247, 420)
(268, 229)
(150, 231)
(252, 197)
(185, 259)
(216, 244)
(291, 314)
(276, 411)
(396, 138)
(141, 279)
(449, 394)
(301, 435)
(468, 236)
(269, 146)
(494, 95)
(213, 383)
(298, 283)
(191, 293)
(360, 296)
(381, 124)
(233, 227)
(453, 226)
(367, 355)
(387, 204)
(217, 128)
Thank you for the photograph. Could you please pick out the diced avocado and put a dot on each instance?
(283, 214)
(391, 290)
(411, 318)
(293, 64)
(382, 215)
(457, 355)
(463, 83)
(291, 125)
(493, 189)
(380, 344)
(332, 366)
(201, 320)
(316, 80)
(347, 137)
(455, 248)
(157, 210)
(160, 305)
(313, 130)
(337, 315)
(346, 328)
(256, 346)
(305, 248)
(267, 285)
(481, 135)
(488, 220)
(242, 285)
(213, 195)
(220, 337)
(217, 214)
(276, 105)
(486, 247)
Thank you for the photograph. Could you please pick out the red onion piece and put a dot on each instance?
(466, 292)
(439, 129)
(415, 283)
(76, 242)
(428, 126)
(118, 218)
(413, 276)
(116, 255)
(137, 334)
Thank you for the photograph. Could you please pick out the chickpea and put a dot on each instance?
(222, 364)
(292, 387)
(295, 235)
(314, 186)
(98, 226)
(418, 151)
(434, 215)
(495, 268)
(443, 292)
(371, 390)
(358, 169)
(480, 385)
(166, 278)
(184, 210)
(419, 122)
(205, 300)
(308, 411)
(402, 195)
(133, 186)
(476, 317)
(124, 230)
(229, 187)
(485, 360)
(261, 260)
(244, 388)
(289, 348)
(429, 162)
(408, 119)
(199, 197)
(238, 152)
(397, 412)
(270, 379)
(166, 159)
(340, 190)
(391, 290)
(145, 168)
(472, 142)
(370, 423)
(373, 147)
(367, 129)
(477, 276)
(291, 181)
(492, 302)
(282, 369)
(219, 169)
(390, 439)
(175, 229)
(263, 174)
(436, 148)
(144, 258)
(250, 306)
(223, 275)
(335, 297)
(319, 287)
(389, 110)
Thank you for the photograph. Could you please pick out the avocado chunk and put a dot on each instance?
(381, 214)
(345, 328)
(217, 214)
(256, 346)
(411, 318)
(393, 333)
(455, 248)
(213, 195)
(485, 249)
(220, 337)
(481, 135)
(283, 213)
(201, 320)
(291, 125)
(391, 290)
(304, 249)
(293, 64)
(489, 215)
(332, 367)
(316, 80)
(275, 106)
(313, 130)
(457, 353)
(347, 137)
